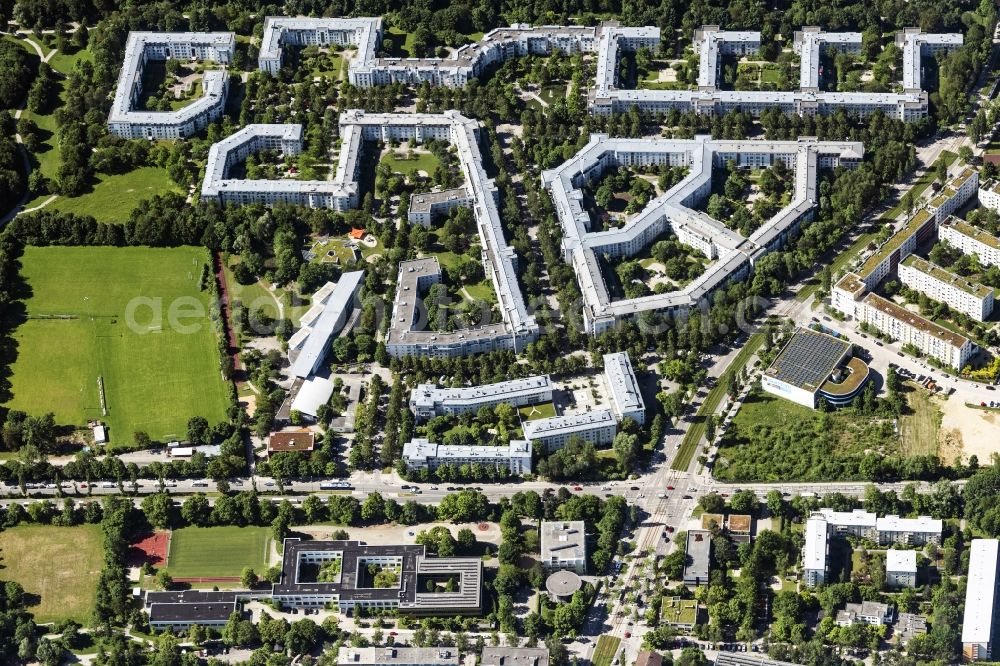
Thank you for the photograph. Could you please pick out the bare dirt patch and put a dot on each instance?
(966, 431)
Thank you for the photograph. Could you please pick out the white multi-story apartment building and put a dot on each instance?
(711, 42)
(564, 545)
(674, 212)
(954, 194)
(398, 656)
(815, 550)
(281, 31)
(428, 401)
(916, 44)
(626, 399)
(127, 122)
(918, 531)
(908, 105)
(552, 433)
(609, 42)
(942, 285)
(900, 324)
(971, 240)
(857, 523)
(901, 568)
(367, 69)
(889, 530)
(425, 206)
(420, 453)
(980, 601)
(811, 42)
(989, 194)
(919, 228)
(338, 194)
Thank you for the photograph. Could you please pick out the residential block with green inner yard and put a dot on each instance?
(131, 322)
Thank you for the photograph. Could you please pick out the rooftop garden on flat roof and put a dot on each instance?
(857, 376)
(984, 237)
(946, 276)
(916, 321)
(896, 240)
(851, 283)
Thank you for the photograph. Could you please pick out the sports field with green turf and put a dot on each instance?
(57, 567)
(134, 317)
(203, 552)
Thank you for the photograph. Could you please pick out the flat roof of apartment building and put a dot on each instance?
(947, 277)
(814, 555)
(919, 524)
(429, 395)
(568, 424)
(975, 233)
(624, 387)
(901, 561)
(916, 321)
(397, 656)
(912, 226)
(514, 656)
(564, 540)
(421, 448)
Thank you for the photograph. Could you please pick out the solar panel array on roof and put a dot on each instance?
(808, 359)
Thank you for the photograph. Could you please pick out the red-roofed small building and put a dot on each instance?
(291, 441)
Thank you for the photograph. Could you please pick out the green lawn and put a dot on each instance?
(422, 161)
(402, 42)
(199, 552)
(57, 567)
(61, 62)
(605, 650)
(446, 258)
(329, 65)
(919, 428)
(339, 248)
(156, 375)
(187, 97)
(254, 296)
(482, 291)
(695, 433)
(23, 44)
(113, 197)
(770, 75)
(553, 92)
(47, 157)
(773, 439)
(540, 411)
